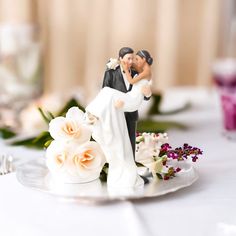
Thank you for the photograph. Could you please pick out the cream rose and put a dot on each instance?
(86, 160)
(71, 127)
(57, 155)
(70, 163)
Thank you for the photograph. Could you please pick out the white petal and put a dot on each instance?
(54, 149)
(96, 164)
(85, 134)
(55, 127)
(75, 113)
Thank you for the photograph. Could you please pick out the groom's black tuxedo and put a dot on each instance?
(114, 79)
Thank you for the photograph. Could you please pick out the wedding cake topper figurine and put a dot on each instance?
(116, 78)
(110, 118)
(113, 115)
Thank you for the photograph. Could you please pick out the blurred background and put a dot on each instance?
(60, 46)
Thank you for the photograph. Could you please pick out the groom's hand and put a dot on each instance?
(124, 66)
(118, 104)
(146, 91)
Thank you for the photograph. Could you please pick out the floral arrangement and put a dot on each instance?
(153, 152)
(72, 156)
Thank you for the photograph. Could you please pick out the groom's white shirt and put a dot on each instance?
(125, 78)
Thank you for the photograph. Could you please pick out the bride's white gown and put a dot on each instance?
(111, 132)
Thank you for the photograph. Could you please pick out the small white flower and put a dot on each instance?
(112, 63)
(148, 151)
(148, 139)
(139, 138)
(70, 128)
(155, 166)
(162, 138)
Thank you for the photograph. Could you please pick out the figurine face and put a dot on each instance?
(139, 62)
(128, 59)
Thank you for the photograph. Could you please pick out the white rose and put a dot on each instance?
(56, 156)
(70, 163)
(71, 127)
(112, 64)
(86, 160)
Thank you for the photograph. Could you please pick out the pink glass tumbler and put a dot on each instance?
(224, 75)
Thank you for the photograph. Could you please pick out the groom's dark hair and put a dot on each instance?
(125, 50)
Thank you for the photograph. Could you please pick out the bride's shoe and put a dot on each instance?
(90, 119)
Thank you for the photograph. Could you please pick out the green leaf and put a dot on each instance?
(25, 142)
(45, 118)
(50, 115)
(48, 143)
(159, 176)
(156, 102)
(139, 164)
(103, 176)
(104, 172)
(38, 142)
(44, 135)
(71, 103)
(6, 133)
(149, 125)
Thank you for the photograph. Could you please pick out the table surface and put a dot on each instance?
(205, 208)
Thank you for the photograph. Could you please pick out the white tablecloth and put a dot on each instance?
(206, 208)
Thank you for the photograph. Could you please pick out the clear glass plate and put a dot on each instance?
(35, 175)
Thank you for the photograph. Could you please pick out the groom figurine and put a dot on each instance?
(116, 79)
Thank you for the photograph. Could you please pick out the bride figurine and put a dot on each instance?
(109, 129)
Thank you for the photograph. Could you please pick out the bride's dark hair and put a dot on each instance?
(145, 54)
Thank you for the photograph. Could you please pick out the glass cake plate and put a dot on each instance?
(35, 175)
